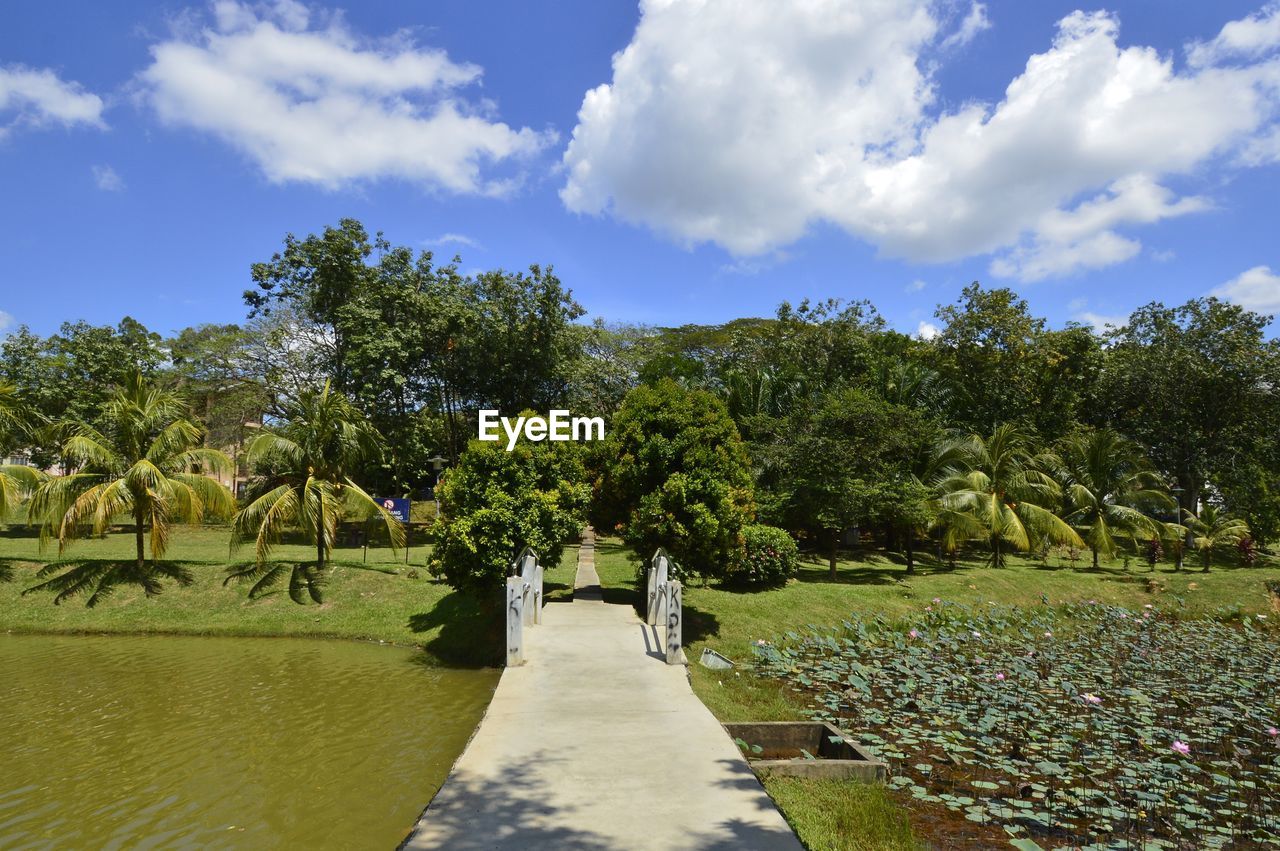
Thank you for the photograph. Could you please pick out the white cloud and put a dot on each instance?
(974, 23)
(6, 321)
(106, 178)
(1256, 289)
(315, 103)
(1101, 322)
(916, 286)
(1163, 255)
(37, 96)
(1247, 38)
(927, 330)
(453, 239)
(740, 126)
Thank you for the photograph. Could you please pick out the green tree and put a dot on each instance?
(1109, 490)
(674, 473)
(307, 467)
(16, 480)
(1195, 385)
(494, 503)
(1004, 484)
(144, 461)
(1213, 528)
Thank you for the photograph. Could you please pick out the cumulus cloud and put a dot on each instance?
(1256, 289)
(732, 124)
(6, 321)
(106, 178)
(38, 96)
(310, 101)
(927, 330)
(1101, 322)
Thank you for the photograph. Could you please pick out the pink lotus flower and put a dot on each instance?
(937, 599)
(928, 608)
(1000, 676)
(915, 633)
(1092, 699)
(1182, 747)
(1273, 732)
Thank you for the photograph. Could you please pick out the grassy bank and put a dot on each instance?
(850, 816)
(381, 599)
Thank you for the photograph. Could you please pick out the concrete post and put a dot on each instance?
(675, 623)
(537, 592)
(515, 621)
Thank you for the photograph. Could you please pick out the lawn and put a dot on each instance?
(731, 621)
(381, 599)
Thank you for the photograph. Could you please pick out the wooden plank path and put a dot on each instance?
(596, 743)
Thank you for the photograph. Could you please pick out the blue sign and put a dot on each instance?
(397, 508)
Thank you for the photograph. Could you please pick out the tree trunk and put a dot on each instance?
(997, 557)
(320, 535)
(906, 545)
(1206, 561)
(835, 543)
(139, 539)
(1095, 557)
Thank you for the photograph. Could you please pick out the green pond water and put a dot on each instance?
(178, 742)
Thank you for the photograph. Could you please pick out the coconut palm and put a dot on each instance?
(1003, 484)
(306, 483)
(1213, 528)
(146, 462)
(16, 480)
(1108, 489)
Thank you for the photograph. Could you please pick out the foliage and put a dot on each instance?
(770, 557)
(673, 472)
(1084, 725)
(1109, 490)
(306, 481)
(16, 480)
(146, 461)
(495, 503)
(1005, 486)
(1213, 528)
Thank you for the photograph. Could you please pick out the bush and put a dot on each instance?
(494, 503)
(770, 557)
(674, 473)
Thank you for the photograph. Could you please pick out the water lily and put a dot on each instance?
(1048, 634)
(1090, 698)
(1181, 747)
(1000, 676)
(977, 634)
(760, 642)
(915, 633)
(937, 599)
(1273, 732)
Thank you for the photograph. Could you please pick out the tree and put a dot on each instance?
(1213, 528)
(16, 480)
(1109, 490)
(673, 472)
(145, 460)
(1000, 481)
(845, 462)
(1196, 386)
(306, 482)
(494, 503)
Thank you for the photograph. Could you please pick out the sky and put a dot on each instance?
(676, 161)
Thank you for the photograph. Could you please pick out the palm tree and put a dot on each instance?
(145, 461)
(1107, 485)
(1213, 528)
(16, 480)
(306, 483)
(1003, 484)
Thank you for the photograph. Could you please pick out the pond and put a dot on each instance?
(162, 741)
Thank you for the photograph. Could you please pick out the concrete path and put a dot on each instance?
(596, 743)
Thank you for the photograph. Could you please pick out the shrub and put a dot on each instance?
(673, 472)
(494, 503)
(770, 557)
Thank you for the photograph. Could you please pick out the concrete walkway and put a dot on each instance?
(596, 743)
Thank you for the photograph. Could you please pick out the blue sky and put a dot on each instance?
(677, 162)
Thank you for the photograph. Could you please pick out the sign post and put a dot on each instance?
(399, 508)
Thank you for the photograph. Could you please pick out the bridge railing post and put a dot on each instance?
(656, 581)
(515, 621)
(675, 624)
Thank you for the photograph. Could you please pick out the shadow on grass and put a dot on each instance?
(471, 631)
(6, 570)
(99, 578)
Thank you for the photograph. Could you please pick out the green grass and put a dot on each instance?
(384, 599)
(841, 815)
